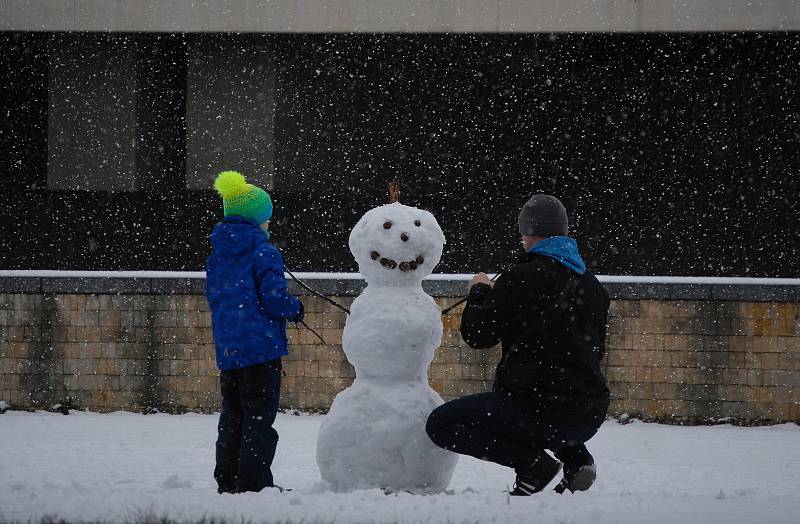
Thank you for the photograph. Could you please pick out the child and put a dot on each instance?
(246, 291)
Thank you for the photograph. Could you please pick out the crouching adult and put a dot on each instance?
(550, 315)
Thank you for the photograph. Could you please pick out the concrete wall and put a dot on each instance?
(674, 353)
(394, 16)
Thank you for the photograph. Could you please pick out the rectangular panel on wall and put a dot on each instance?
(92, 113)
(229, 113)
(23, 106)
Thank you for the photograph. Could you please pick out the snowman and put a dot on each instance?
(374, 435)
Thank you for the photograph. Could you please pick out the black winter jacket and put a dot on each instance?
(554, 370)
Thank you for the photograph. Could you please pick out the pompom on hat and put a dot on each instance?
(242, 199)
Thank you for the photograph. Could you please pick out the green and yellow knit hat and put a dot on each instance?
(242, 199)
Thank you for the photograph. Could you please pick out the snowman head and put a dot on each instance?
(396, 244)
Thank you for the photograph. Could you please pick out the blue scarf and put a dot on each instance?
(563, 250)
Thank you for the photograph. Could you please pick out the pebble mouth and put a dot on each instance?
(388, 263)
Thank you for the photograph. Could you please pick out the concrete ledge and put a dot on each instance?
(20, 285)
(329, 287)
(175, 286)
(647, 291)
(445, 288)
(99, 286)
(438, 287)
(767, 293)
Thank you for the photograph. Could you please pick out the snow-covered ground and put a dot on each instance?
(123, 467)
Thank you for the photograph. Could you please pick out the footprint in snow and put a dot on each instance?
(175, 482)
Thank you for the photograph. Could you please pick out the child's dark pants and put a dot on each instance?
(492, 426)
(246, 439)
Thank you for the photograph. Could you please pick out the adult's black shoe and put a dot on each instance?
(536, 477)
(578, 478)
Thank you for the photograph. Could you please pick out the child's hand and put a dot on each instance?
(300, 314)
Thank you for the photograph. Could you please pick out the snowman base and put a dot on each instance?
(374, 437)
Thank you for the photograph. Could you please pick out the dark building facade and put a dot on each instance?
(675, 153)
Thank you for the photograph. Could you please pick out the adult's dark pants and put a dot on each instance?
(496, 427)
(246, 440)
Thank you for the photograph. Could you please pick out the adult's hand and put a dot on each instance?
(480, 278)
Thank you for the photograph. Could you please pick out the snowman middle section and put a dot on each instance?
(374, 435)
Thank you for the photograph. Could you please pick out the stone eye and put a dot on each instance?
(387, 225)
(417, 223)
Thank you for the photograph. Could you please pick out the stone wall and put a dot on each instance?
(704, 359)
(107, 352)
(724, 352)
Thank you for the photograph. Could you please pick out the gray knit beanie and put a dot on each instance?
(543, 216)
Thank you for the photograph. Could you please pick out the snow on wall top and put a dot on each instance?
(610, 279)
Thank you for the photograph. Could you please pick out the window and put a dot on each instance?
(229, 113)
(92, 113)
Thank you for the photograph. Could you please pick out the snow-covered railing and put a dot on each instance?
(611, 279)
(350, 284)
(47, 273)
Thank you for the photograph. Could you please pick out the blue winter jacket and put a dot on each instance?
(246, 291)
